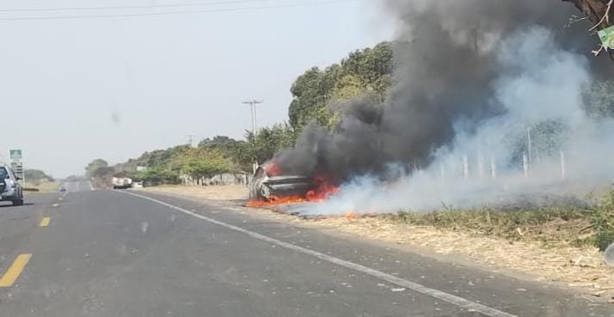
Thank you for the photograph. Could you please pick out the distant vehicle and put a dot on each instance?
(10, 189)
(265, 187)
(121, 182)
(62, 189)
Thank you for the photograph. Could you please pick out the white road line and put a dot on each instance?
(441, 295)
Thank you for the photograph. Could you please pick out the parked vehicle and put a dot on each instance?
(121, 182)
(265, 187)
(10, 189)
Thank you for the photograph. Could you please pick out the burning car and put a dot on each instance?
(268, 185)
(271, 187)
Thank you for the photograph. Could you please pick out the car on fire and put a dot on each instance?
(267, 187)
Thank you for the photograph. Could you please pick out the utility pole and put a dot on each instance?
(530, 145)
(191, 140)
(253, 104)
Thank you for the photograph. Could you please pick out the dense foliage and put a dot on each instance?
(98, 168)
(269, 141)
(366, 72)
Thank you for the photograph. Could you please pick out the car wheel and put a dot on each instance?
(265, 193)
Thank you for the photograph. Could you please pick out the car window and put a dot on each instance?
(3, 172)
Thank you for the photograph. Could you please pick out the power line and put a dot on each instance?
(253, 104)
(130, 7)
(165, 13)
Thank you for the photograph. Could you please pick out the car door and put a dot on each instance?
(14, 181)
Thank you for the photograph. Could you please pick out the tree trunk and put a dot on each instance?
(594, 10)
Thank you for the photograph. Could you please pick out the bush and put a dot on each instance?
(157, 176)
(603, 221)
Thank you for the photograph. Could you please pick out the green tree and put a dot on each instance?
(157, 176)
(237, 151)
(365, 72)
(599, 99)
(201, 162)
(269, 141)
(93, 167)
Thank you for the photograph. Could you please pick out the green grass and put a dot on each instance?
(603, 221)
(555, 225)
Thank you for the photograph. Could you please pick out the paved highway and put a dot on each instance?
(117, 253)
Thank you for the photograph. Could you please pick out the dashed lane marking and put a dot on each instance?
(45, 222)
(15, 270)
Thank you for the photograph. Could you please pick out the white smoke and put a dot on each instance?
(505, 158)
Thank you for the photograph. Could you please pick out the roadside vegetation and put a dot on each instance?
(552, 226)
(39, 181)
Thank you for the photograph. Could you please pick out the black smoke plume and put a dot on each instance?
(446, 66)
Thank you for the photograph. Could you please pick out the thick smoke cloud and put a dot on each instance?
(487, 109)
(540, 85)
(447, 63)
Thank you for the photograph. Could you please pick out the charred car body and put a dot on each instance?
(266, 187)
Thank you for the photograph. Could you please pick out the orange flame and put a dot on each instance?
(275, 201)
(324, 189)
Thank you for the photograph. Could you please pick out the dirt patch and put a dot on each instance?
(42, 187)
(575, 265)
(220, 193)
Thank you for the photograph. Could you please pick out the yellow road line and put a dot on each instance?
(45, 222)
(15, 270)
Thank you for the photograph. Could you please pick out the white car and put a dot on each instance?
(10, 189)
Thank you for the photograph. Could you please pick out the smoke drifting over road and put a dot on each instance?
(487, 95)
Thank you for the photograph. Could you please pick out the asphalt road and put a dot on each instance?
(111, 253)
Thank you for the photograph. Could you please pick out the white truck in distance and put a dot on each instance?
(121, 182)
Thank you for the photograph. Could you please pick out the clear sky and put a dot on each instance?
(72, 90)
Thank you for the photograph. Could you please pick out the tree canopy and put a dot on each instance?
(96, 168)
(366, 72)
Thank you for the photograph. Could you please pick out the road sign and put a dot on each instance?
(17, 167)
(607, 37)
(16, 155)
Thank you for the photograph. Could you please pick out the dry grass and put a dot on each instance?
(553, 226)
(42, 187)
